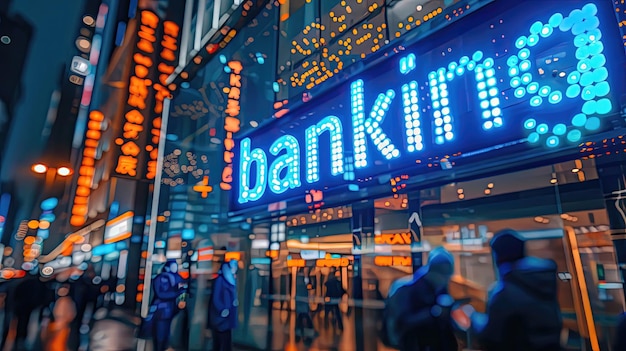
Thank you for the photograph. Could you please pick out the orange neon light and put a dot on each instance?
(169, 45)
(388, 261)
(86, 171)
(403, 238)
(232, 124)
(298, 262)
(332, 262)
(138, 91)
(232, 255)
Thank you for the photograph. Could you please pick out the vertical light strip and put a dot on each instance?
(217, 8)
(358, 117)
(197, 42)
(412, 121)
(184, 41)
(154, 211)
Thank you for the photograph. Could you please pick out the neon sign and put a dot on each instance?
(138, 91)
(231, 122)
(86, 172)
(546, 83)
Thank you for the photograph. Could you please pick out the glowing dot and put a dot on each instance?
(559, 129)
(536, 101)
(603, 106)
(542, 128)
(555, 97)
(593, 123)
(530, 123)
(574, 135)
(572, 91)
(552, 141)
(533, 137)
(579, 120)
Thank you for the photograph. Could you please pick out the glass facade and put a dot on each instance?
(294, 249)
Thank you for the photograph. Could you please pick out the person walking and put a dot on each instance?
(523, 312)
(223, 308)
(334, 293)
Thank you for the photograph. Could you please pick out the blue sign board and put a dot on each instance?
(536, 77)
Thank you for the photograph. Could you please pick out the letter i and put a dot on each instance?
(412, 121)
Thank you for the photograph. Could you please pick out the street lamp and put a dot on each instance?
(42, 168)
(51, 172)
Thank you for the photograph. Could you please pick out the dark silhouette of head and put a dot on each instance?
(440, 266)
(507, 246)
(171, 266)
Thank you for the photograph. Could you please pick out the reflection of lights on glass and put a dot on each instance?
(39, 168)
(64, 171)
(88, 20)
(47, 271)
(33, 224)
(83, 44)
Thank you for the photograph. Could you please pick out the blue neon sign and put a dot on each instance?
(538, 79)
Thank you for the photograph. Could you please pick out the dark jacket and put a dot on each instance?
(523, 312)
(166, 291)
(224, 298)
(416, 319)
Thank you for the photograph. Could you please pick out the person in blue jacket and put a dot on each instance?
(223, 309)
(168, 286)
(523, 312)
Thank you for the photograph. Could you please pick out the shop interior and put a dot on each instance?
(559, 209)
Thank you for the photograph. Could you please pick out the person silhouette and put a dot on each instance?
(523, 312)
(168, 286)
(223, 308)
(417, 309)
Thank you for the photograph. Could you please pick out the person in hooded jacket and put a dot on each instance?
(417, 311)
(223, 309)
(168, 286)
(523, 312)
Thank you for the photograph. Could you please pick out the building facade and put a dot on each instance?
(350, 138)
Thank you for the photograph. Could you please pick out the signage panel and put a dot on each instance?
(532, 79)
(119, 228)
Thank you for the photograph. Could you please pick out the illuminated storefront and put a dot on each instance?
(387, 131)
